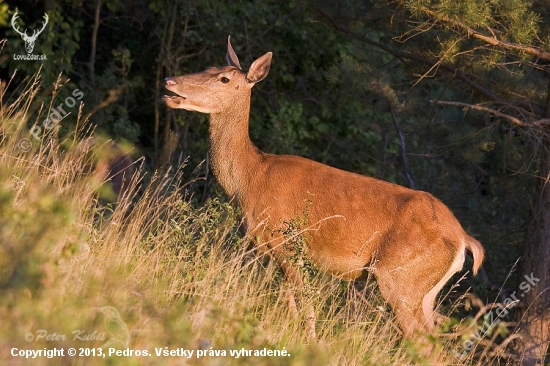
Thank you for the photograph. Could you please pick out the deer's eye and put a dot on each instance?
(224, 80)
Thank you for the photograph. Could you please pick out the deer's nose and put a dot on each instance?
(169, 81)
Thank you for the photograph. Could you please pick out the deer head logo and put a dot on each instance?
(29, 40)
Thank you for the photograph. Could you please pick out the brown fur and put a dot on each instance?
(112, 164)
(409, 239)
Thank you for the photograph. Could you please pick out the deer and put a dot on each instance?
(408, 239)
(29, 40)
(112, 165)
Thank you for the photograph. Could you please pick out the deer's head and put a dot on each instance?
(216, 89)
(29, 40)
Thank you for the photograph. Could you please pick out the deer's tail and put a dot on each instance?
(475, 247)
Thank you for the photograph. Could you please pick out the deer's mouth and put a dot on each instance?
(173, 99)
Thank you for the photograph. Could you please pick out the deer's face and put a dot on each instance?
(212, 91)
(217, 90)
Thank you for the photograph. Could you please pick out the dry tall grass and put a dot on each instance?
(154, 272)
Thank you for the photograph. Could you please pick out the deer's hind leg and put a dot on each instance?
(410, 280)
(429, 298)
(406, 307)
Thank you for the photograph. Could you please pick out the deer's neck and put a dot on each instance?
(234, 157)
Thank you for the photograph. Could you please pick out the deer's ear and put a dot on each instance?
(259, 68)
(231, 56)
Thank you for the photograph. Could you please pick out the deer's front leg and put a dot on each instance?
(293, 276)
